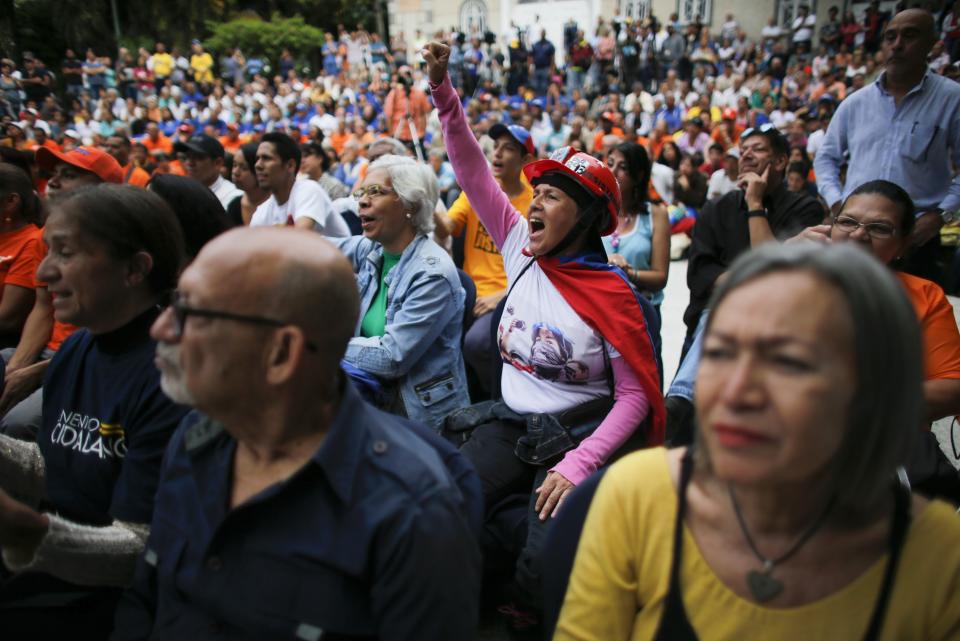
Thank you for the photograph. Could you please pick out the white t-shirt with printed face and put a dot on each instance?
(307, 199)
(552, 360)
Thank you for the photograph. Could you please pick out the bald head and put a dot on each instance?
(287, 274)
(907, 41)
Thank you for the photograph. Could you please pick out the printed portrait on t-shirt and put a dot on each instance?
(549, 356)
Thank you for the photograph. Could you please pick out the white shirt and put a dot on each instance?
(225, 191)
(662, 178)
(720, 184)
(803, 28)
(307, 199)
(815, 141)
(553, 360)
(325, 123)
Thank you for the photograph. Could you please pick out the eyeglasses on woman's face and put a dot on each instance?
(876, 230)
(373, 191)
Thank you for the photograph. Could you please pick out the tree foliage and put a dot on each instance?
(265, 38)
(47, 27)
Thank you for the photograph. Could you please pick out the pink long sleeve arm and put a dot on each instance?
(470, 165)
(630, 407)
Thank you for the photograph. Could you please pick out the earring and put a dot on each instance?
(409, 216)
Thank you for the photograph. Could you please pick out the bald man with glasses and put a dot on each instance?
(288, 507)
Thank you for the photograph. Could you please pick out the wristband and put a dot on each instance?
(756, 213)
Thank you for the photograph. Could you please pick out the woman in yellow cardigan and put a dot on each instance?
(788, 521)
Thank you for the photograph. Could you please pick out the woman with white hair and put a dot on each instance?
(411, 310)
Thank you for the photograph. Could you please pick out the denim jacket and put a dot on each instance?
(420, 348)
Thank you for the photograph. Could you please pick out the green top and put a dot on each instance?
(375, 320)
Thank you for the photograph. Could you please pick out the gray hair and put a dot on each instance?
(396, 147)
(416, 186)
(888, 390)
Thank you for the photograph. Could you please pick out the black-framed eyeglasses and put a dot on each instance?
(182, 312)
(880, 231)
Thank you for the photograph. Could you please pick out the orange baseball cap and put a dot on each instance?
(89, 159)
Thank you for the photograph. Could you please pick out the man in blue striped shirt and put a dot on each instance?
(905, 128)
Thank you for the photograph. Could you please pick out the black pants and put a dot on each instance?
(491, 450)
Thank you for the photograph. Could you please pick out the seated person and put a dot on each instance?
(789, 518)
(114, 255)
(573, 336)
(293, 510)
(21, 244)
(411, 311)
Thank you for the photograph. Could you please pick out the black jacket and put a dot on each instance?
(722, 234)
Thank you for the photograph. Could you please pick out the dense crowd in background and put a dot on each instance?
(683, 91)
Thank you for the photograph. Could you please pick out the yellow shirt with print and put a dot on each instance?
(481, 259)
(202, 66)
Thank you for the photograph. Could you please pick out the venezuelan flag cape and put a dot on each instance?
(603, 297)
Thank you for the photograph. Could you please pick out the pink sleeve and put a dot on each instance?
(630, 407)
(473, 174)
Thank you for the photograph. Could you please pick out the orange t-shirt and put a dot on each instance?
(338, 140)
(135, 176)
(162, 143)
(232, 144)
(599, 136)
(20, 254)
(941, 339)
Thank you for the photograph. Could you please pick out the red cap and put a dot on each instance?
(590, 172)
(89, 159)
(609, 115)
(729, 113)
(185, 128)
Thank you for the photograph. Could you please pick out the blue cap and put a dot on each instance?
(518, 133)
(539, 102)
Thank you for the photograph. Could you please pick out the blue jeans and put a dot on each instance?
(682, 384)
(541, 80)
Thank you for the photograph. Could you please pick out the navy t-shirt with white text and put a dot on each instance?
(106, 424)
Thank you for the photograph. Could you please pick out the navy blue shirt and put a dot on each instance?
(106, 424)
(543, 52)
(370, 539)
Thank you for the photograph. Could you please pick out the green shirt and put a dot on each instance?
(375, 320)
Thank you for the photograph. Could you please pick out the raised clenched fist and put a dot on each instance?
(437, 56)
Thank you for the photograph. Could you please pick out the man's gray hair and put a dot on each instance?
(888, 390)
(415, 184)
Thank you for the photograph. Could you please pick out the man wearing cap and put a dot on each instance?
(232, 140)
(761, 210)
(513, 148)
(607, 128)
(76, 168)
(301, 203)
(905, 128)
(727, 133)
(119, 147)
(204, 164)
(725, 179)
(22, 400)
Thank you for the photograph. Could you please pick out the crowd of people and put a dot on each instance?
(376, 353)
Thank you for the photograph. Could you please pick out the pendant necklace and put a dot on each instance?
(763, 586)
